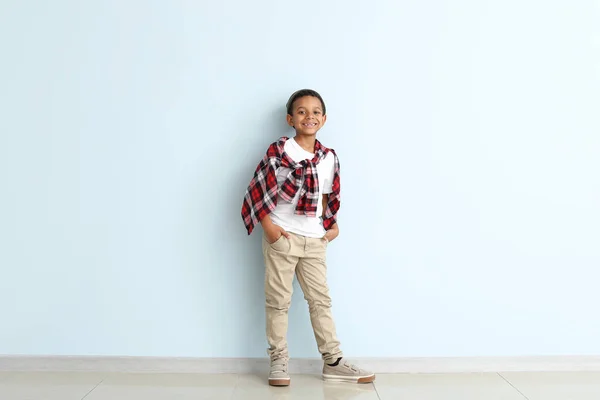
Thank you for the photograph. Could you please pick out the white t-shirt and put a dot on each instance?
(283, 215)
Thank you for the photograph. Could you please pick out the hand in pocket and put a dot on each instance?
(273, 235)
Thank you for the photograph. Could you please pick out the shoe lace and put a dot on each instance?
(350, 366)
(279, 365)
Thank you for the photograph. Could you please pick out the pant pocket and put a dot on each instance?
(281, 245)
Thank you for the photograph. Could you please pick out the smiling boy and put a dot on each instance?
(295, 195)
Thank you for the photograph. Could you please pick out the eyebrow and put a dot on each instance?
(316, 108)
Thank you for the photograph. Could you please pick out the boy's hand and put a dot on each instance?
(274, 232)
(332, 233)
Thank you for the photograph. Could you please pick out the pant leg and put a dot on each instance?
(280, 265)
(312, 276)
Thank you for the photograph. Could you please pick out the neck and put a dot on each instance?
(307, 142)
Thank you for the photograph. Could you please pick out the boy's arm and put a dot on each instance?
(272, 231)
(334, 231)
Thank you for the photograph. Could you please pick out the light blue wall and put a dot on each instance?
(469, 140)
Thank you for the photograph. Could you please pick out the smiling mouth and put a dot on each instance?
(312, 125)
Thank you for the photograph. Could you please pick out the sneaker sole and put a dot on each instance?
(279, 382)
(352, 379)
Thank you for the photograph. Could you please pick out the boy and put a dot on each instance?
(295, 195)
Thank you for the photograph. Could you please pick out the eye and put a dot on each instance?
(300, 112)
(317, 112)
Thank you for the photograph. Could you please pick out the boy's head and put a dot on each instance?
(306, 112)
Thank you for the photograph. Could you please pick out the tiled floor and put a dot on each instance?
(488, 386)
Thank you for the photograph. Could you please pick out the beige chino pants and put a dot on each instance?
(306, 257)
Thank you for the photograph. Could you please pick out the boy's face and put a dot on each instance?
(307, 117)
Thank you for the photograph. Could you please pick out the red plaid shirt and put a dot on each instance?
(261, 196)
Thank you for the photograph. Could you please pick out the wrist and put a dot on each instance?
(266, 222)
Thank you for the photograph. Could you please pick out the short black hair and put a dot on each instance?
(303, 93)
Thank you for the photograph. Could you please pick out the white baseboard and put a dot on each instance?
(306, 366)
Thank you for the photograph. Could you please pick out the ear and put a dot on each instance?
(324, 119)
(289, 120)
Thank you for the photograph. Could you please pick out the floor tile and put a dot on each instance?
(165, 386)
(556, 385)
(46, 385)
(488, 386)
(305, 387)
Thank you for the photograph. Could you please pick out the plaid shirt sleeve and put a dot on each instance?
(333, 202)
(261, 196)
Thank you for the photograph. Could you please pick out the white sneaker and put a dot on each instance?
(346, 372)
(279, 373)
